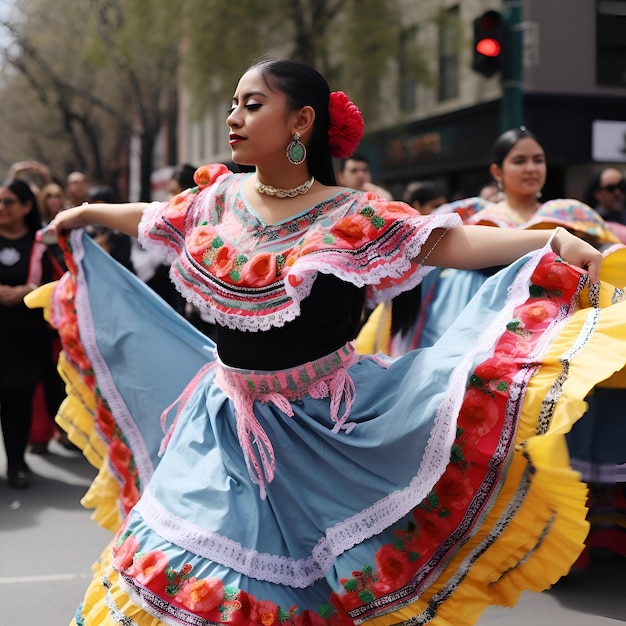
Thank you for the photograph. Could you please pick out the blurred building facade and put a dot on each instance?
(572, 93)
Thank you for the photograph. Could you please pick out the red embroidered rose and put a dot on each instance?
(479, 413)
(119, 454)
(310, 618)
(125, 553)
(312, 242)
(351, 599)
(340, 620)
(397, 209)
(432, 530)
(346, 125)
(223, 261)
(242, 606)
(393, 567)
(264, 613)
(201, 595)
(356, 230)
(106, 424)
(536, 313)
(149, 568)
(199, 239)
(260, 270)
(454, 489)
(514, 345)
(177, 207)
(556, 275)
(130, 494)
(341, 616)
(207, 174)
(497, 368)
(295, 281)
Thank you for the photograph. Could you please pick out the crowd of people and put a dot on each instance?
(31, 389)
(259, 465)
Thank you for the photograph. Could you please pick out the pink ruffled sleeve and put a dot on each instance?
(164, 225)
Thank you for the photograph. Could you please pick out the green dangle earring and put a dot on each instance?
(296, 151)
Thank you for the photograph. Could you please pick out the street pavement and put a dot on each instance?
(48, 543)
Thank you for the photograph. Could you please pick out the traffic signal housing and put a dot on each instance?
(489, 43)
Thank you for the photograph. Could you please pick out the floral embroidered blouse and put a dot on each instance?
(300, 280)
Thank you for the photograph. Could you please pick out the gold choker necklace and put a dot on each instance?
(268, 190)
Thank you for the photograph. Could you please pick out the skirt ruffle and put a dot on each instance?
(498, 512)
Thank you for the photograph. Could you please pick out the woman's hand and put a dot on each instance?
(577, 252)
(13, 295)
(63, 221)
(70, 219)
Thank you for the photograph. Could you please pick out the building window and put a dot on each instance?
(407, 79)
(610, 43)
(449, 29)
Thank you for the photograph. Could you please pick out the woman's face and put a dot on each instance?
(260, 122)
(54, 204)
(523, 171)
(12, 211)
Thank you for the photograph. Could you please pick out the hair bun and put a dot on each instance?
(346, 125)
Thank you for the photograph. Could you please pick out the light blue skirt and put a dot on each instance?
(348, 490)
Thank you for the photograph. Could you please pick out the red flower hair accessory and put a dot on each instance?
(346, 125)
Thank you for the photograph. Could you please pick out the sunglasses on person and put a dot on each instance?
(611, 187)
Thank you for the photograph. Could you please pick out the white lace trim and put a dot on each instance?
(106, 383)
(150, 213)
(305, 270)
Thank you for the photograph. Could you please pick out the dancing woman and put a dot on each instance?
(276, 476)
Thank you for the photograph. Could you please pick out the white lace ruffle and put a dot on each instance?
(305, 271)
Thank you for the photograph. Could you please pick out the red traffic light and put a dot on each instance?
(488, 47)
(489, 43)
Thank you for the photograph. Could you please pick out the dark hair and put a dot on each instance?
(183, 175)
(103, 194)
(506, 141)
(424, 191)
(304, 86)
(25, 194)
(595, 184)
(356, 156)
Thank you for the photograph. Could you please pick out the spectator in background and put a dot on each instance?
(149, 266)
(26, 350)
(425, 196)
(50, 392)
(117, 244)
(490, 191)
(77, 188)
(181, 179)
(51, 200)
(606, 192)
(36, 174)
(608, 189)
(355, 173)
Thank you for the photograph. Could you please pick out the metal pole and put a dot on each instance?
(512, 110)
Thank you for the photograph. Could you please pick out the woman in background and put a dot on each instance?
(26, 351)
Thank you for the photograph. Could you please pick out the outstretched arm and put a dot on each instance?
(475, 247)
(124, 217)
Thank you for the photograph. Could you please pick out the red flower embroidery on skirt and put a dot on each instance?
(479, 413)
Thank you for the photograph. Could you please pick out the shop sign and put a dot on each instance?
(608, 141)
